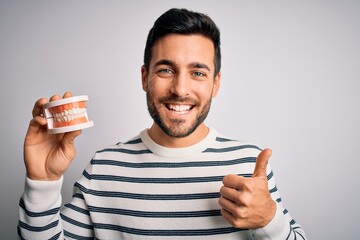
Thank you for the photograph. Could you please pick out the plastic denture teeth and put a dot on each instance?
(67, 114)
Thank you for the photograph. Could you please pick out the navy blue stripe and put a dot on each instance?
(148, 196)
(297, 233)
(37, 214)
(78, 195)
(38, 229)
(127, 151)
(172, 164)
(135, 141)
(77, 209)
(19, 232)
(76, 223)
(285, 211)
(102, 177)
(230, 149)
(115, 178)
(175, 232)
(220, 139)
(208, 150)
(289, 233)
(273, 190)
(56, 236)
(75, 236)
(152, 180)
(147, 214)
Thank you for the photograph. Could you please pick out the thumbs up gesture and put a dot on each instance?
(246, 202)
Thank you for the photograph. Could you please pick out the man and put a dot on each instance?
(177, 179)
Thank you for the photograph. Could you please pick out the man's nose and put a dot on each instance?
(181, 85)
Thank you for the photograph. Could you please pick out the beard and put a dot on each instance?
(178, 128)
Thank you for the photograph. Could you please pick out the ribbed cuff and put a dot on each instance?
(42, 191)
(277, 229)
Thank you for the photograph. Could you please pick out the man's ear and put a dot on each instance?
(216, 84)
(144, 76)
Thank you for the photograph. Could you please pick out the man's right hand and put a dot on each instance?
(47, 156)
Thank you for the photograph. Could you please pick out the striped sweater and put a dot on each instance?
(141, 190)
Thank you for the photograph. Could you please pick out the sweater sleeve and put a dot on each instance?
(282, 226)
(42, 217)
(39, 212)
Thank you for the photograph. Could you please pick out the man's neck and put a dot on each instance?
(161, 138)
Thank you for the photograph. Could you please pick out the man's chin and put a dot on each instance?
(177, 131)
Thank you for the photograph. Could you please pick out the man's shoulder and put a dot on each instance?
(133, 145)
(224, 144)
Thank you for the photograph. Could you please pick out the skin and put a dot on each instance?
(181, 72)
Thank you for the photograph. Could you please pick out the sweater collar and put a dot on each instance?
(177, 152)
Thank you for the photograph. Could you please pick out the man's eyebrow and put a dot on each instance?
(199, 65)
(165, 62)
(173, 64)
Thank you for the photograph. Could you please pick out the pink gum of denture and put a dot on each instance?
(67, 114)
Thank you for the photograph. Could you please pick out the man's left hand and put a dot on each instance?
(246, 202)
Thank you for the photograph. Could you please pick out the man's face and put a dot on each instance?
(180, 83)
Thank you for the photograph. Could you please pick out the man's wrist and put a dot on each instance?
(277, 228)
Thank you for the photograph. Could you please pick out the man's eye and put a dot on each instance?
(198, 74)
(165, 71)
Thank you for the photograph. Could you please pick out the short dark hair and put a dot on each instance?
(183, 21)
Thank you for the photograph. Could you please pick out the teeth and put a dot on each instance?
(179, 108)
(69, 115)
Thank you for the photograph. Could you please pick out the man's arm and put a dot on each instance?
(46, 157)
(41, 215)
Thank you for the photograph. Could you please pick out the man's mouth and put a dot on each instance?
(179, 108)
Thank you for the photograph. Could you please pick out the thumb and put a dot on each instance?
(261, 163)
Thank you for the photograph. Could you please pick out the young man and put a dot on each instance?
(177, 179)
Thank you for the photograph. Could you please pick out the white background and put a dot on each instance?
(290, 81)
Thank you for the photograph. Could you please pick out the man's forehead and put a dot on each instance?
(193, 49)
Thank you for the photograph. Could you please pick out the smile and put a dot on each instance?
(179, 108)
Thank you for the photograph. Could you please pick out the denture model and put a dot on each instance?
(67, 114)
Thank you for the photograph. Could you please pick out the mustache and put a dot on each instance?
(178, 99)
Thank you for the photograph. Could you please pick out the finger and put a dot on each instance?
(229, 193)
(238, 198)
(227, 215)
(38, 107)
(233, 220)
(234, 181)
(227, 204)
(36, 124)
(67, 94)
(57, 97)
(54, 98)
(261, 163)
